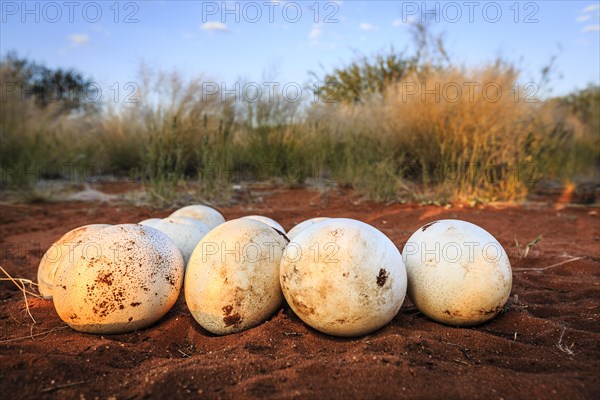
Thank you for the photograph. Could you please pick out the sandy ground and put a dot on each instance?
(545, 344)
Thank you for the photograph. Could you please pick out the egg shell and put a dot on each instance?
(60, 252)
(343, 277)
(303, 225)
(184, 232)
(207, 215)
(150, 222)
(125, 277)
(458, 273)
(232, 278)
(266, 220)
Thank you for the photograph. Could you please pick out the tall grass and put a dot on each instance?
(460, 134)
(467, 144)
(416, 139)
(40, 143)
(174, 135)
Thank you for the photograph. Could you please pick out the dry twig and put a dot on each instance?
(20, 283)
(31, 336)
(551, 266)
(563, 347)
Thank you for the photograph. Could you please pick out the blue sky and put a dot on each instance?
(203, 38)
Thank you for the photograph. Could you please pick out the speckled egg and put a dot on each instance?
(207, 215)
(343, 277)
(266, 220)
(184, 232)
(60, 252)
(124, 277)
(232, 278)
(303, 225)
(458, 273)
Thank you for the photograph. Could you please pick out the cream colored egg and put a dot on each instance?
(303, 225)
(124, 277)
(343, 277)
(60, 252)
(150, 222)
(184, 232)
(458, 273)
(266, 220)
(207, 215)
(232, 278)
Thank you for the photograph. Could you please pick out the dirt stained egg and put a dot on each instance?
(266, 220)
(205, 214)
(60, 252)
(123, 278)
(232, 278)
(458, 273)
(303, 225)
(184, 232)
(343, 277)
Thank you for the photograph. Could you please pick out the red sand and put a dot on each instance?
(546, 343)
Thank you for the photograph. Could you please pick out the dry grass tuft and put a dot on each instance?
(20, 283)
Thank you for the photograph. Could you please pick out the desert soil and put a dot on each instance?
(545, 344)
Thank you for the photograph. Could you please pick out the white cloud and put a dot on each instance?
(590, 12)
(591, 8)
(591, 28)
(365, 26)
(316, 32)
(324, 36)
(582, 18)
(400, 22)
(78, 39)
(214, 26)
